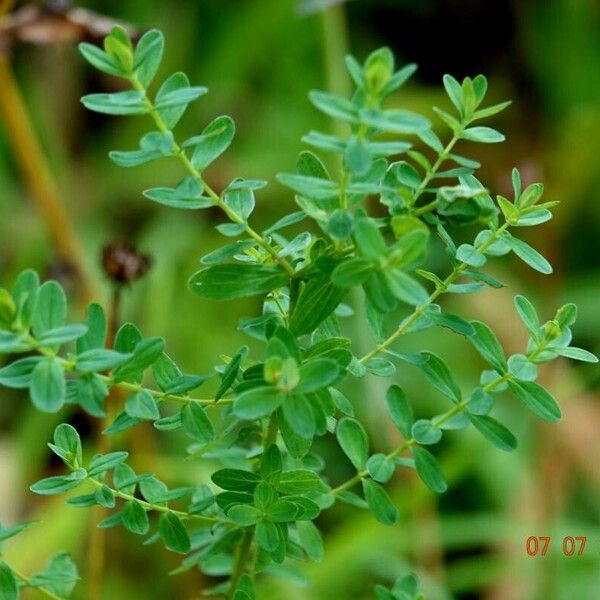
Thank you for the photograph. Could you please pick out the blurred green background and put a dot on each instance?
(259, 58)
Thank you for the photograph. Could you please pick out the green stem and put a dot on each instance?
(155, 507)
(436, 165)
(439, 290)
(42, 590)
(243, 555)
(183, 158)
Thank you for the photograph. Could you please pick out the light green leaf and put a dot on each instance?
(537, 399)
(429, 470)
(353, 440)
(48, 388)
(379, 502)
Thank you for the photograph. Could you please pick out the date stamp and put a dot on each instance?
(538, 545)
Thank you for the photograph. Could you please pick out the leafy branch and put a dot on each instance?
(270, 485)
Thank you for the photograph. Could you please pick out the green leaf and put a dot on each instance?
(148, 55)
(528, 315)
(229, 281)
(19, 373)
(380, 467)
(311, 187)
(438, 374)
(470, 255)
(51, 309)
(231, 372)
(174, 534)
(101, 60)
(187, 195)
(66, 439)
(529, 255)
(142, 405)
(171, 114)
(95, 336)
(48, 388)
(244, 515)
(13, 342)
(352, 272)
(394, 121)
(487, 344)
(153, 145)
(212, 142)
(59, 577)
(400, 410)
(425, 432)
(429, 470)
(118, 103)
(334, 106)
(58, 484)
(381, 367)
(105, 462)
(495, 432)
(453, 322)
(134, 518)
(454, 91)
(98, 360)
(317, 301)
(236, 480)
(310, 540)
(258, 402)
(145, 353)
(368, 238)
(317, 374)
(357, 158)
(379, 502)
(299, 481)
(521, 368)
(196, 423)
(537, 399)
(299, 414)
(267, 535)
(25, 293)
(577, 354)
(181, 96)
(484, 135)
(406, 288)
(490, 111)
(8, 532)
(353, 440)
(9, 589)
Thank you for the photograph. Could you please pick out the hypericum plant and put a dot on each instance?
(267, 410)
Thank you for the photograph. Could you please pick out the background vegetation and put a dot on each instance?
(259, 58)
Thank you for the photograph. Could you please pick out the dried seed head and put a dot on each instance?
(122, 263)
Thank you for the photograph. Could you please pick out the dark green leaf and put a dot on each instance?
(438, 374)
(487, 344)
(174, 534)
(229, 281)
(134, 518)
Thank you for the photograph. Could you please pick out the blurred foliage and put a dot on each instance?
(259, 58)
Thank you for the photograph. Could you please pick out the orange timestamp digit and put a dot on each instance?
(537, 545)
